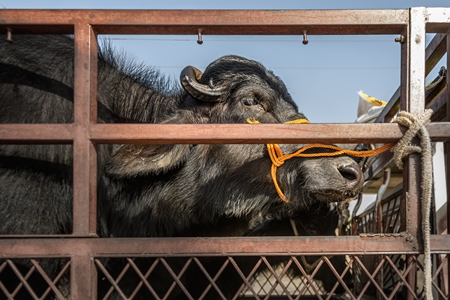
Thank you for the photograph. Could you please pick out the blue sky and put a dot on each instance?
(323, 77)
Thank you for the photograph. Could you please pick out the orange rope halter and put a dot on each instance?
(278, 158)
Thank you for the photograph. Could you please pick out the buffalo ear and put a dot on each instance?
(137, 160)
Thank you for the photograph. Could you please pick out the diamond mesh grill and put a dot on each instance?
(33, 279)
(260, 277)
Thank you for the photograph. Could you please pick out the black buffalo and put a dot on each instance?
(153, 190)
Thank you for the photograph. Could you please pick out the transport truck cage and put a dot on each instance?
(383, 249)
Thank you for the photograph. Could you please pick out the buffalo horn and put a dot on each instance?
(190, 77)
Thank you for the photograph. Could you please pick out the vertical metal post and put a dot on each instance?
(404, 98)
(83, 272)
(447, 165)
(414, 103)
(85, 113)
(404, 92)
(83, 277)
(412, 100)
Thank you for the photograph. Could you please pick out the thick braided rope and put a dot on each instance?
(404, 148)
(278, 158)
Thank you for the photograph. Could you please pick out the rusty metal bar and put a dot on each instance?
(85, 159)
(92, 107)
(411, 276)
(370, 244)
(413, 101)
(227, 22)
(215, 133)
(83, 277)
(83, 274)
(447, 160)
(244, 133)
(261, 133)
(36, 133)
(403, 94)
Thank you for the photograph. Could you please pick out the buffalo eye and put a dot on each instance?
(248, 101)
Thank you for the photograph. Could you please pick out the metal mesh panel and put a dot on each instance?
(259, 277)
(233, 277)
(34, 279)
(224, 277)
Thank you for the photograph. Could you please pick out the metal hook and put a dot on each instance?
(305, 38)
(9, 35)
(199, 39)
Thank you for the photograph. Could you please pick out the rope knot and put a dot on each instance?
(416, 126)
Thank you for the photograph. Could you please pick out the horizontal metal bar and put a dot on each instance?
(438, 19)
(216, 133)
(228, 22)
(323, 245)
(36, 133)
(243, 133)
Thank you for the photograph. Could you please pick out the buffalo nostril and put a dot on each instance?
(348, 173)
(352, 174)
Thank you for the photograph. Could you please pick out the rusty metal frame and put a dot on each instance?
(84, 133)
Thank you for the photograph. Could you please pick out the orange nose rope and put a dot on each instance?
(278, 158)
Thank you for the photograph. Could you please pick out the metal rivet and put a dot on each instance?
(400, 39)
(199, 39)
(305, 38)
(9, 35)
